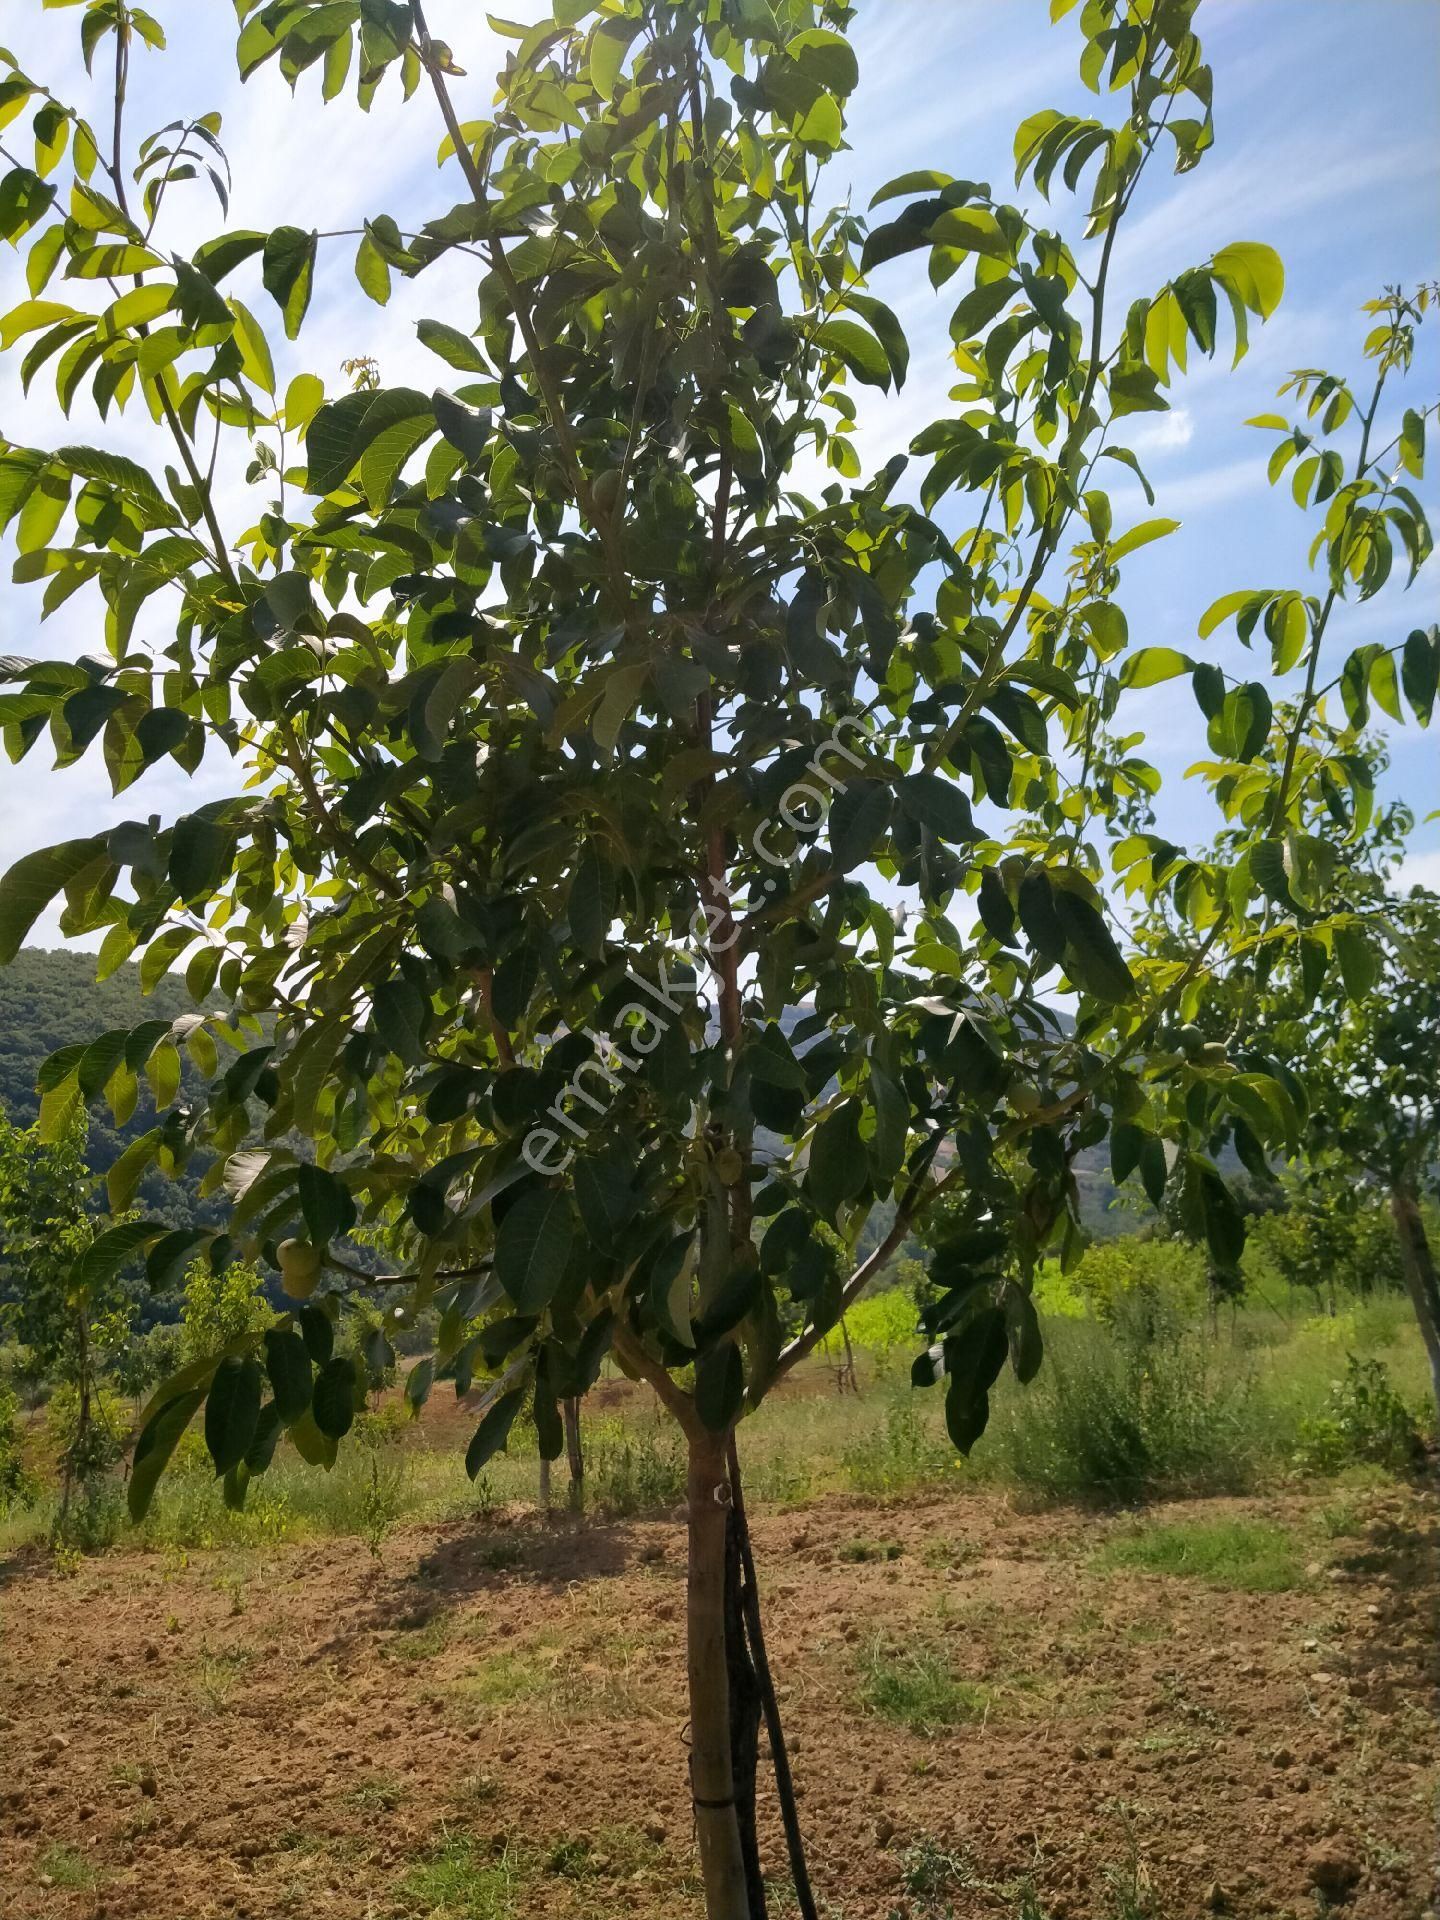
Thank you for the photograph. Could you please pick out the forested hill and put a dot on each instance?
(50, 1000)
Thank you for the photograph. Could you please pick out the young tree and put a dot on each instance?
(1318, 962)
(67, 1314)
(587, 753)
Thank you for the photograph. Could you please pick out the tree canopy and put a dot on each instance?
(593, 708)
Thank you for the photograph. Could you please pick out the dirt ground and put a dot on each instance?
(488, 1720)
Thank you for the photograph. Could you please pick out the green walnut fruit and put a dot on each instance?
(728, 1167)
(300, 1268)
(605, 489)
(1191, 1039)
(1214, 1054)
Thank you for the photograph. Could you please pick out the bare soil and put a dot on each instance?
(301, 1731)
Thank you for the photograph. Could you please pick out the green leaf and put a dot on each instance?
(937, 803)
(1359, 962)
(32, 883)
(1221, 1218)
(1022, 1326)
(158, 1440)
(859, 816)
(333, 1400)
(493, 1431)
(456, 349)
(1151, 665)
(972, 1364)
(858, 349)
(1420, 672)
(622, 692)
(1092, 959)
(1141, 536)
(288, 271)
(470, 429)
(720, 1387)
(231, 1411)
(372, 271)
(837, 1168)
(325, 1202)
(105, 1256)
(609, 44)
(288, 1364)
(593, 896)
(533, 1247)
(1256, 273)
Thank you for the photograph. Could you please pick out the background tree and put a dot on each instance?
(1316, 963)
(68, 1315)
(638, 686)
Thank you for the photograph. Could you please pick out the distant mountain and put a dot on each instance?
(50, 1000)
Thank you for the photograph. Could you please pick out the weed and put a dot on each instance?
(950, 1553)
(634, 1472)
(1365, 1420)
(1122, 1412)
(915, 1688)
(927, 1869)
(478, 1790)
(375, 1796)
(515, 1679)
(861, 1550)
(1129, 1893)
(453, 1883)
(217, 1677)
(1251, 1556)
(423, 1642)
(500, 1556)
(64, 1867)
(909, 1450)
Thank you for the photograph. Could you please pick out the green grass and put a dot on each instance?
(1150, 1406)
(454, 1883)
(1249, 1556)
(67, 1869)
(916, 1688)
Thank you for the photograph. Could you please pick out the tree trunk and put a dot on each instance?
(1421, 1282)
(712, 1779)
(575, 1450)
(850, 1371)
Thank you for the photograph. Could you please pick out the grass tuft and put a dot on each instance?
(915, 1688)
(1249, 1556)
(453, 1883)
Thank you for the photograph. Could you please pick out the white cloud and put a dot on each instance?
(1421, 870)
(1166, 433)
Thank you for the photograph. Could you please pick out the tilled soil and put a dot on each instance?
(494, 1713)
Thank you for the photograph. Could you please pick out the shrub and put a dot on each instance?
(1142, 1407)
(880, 1323)
(104, 1440)
(907, 1451)
(18, 1487)
(221, 1307)
(629, 1472)
(142, 1362)
(1365, 1421)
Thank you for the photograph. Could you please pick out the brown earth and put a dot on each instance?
(299, 1731)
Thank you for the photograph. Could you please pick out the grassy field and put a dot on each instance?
(1157, 1650)
(1154, 1405)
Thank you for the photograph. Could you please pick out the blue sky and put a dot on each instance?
(1321, 107)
